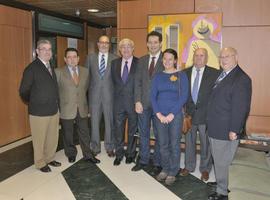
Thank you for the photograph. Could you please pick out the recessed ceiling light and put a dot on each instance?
(93, 10)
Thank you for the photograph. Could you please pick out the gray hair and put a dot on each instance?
(126, 41)
(43, 42)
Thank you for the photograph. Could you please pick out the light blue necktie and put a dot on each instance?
(195, 89)
(125, 72)
(102, 66)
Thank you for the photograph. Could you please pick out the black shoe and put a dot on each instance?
(71, 159)
(129, 160)
(117, 161)
(217, 196)
(138, 167)
(156, 170)
(212, 184)
(55, 163)
(93, 160)
(45, 169)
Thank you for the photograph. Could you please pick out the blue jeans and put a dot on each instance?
(169, 136)
(144, 123)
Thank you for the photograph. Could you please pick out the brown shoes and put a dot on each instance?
(205, 176)
(184, 172)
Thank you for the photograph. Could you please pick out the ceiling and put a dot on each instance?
(105, 17)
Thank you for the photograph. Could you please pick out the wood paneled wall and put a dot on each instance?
(246, 26)
(93, 35)
(15, 54)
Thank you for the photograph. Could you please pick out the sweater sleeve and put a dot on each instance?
(154, 93)
(26, 84)
(183, 96)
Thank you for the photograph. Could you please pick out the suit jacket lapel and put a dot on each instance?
(204, 78)
(189, 72)
(69, 75)
(132, 69)
(96, 63)
(228, 78)
(159, 63)
(108, 64)
(118, 69)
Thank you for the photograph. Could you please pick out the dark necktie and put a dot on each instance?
(195, 89)
(152, 67)
(125, 72)
(102, 66)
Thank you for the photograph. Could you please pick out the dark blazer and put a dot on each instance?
(229, 105)
(143, 80)
(198, 110)
(39, 89)
(123, 93)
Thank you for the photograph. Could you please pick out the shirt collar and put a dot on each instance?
(156, 55)
(129, 60)
(45, 63)
(201, 68)
(100, 54)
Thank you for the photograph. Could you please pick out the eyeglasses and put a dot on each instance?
(43, 49)
(225, 57)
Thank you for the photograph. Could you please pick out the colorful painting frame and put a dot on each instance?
(186, 32)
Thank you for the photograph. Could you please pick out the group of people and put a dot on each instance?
(152, 95)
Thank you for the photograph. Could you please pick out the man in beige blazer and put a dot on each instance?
(73, 81)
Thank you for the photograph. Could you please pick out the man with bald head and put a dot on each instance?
(101, 95)
(202, 79)
(228, 109)
(123, 76)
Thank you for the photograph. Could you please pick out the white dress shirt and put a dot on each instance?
(193, 75)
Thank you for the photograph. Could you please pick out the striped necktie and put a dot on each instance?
(220, 78)
(102, 66)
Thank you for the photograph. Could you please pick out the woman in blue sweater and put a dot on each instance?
(168, 95)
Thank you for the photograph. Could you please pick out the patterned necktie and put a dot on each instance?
(125, 72)
(220, 78)
(195, 89)
(75, 76)
(49, 68)
(152, 67)
(102, 66)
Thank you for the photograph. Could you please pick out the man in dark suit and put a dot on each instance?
(123, 76)
(202, 79)
(39, 90)
(73, 82)
(228, 109)
(147, 67)
(101, 95)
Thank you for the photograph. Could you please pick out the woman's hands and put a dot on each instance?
(165, 119)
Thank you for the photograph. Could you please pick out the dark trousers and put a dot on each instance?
(144, 124)
(120, 117)
(83, 133)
